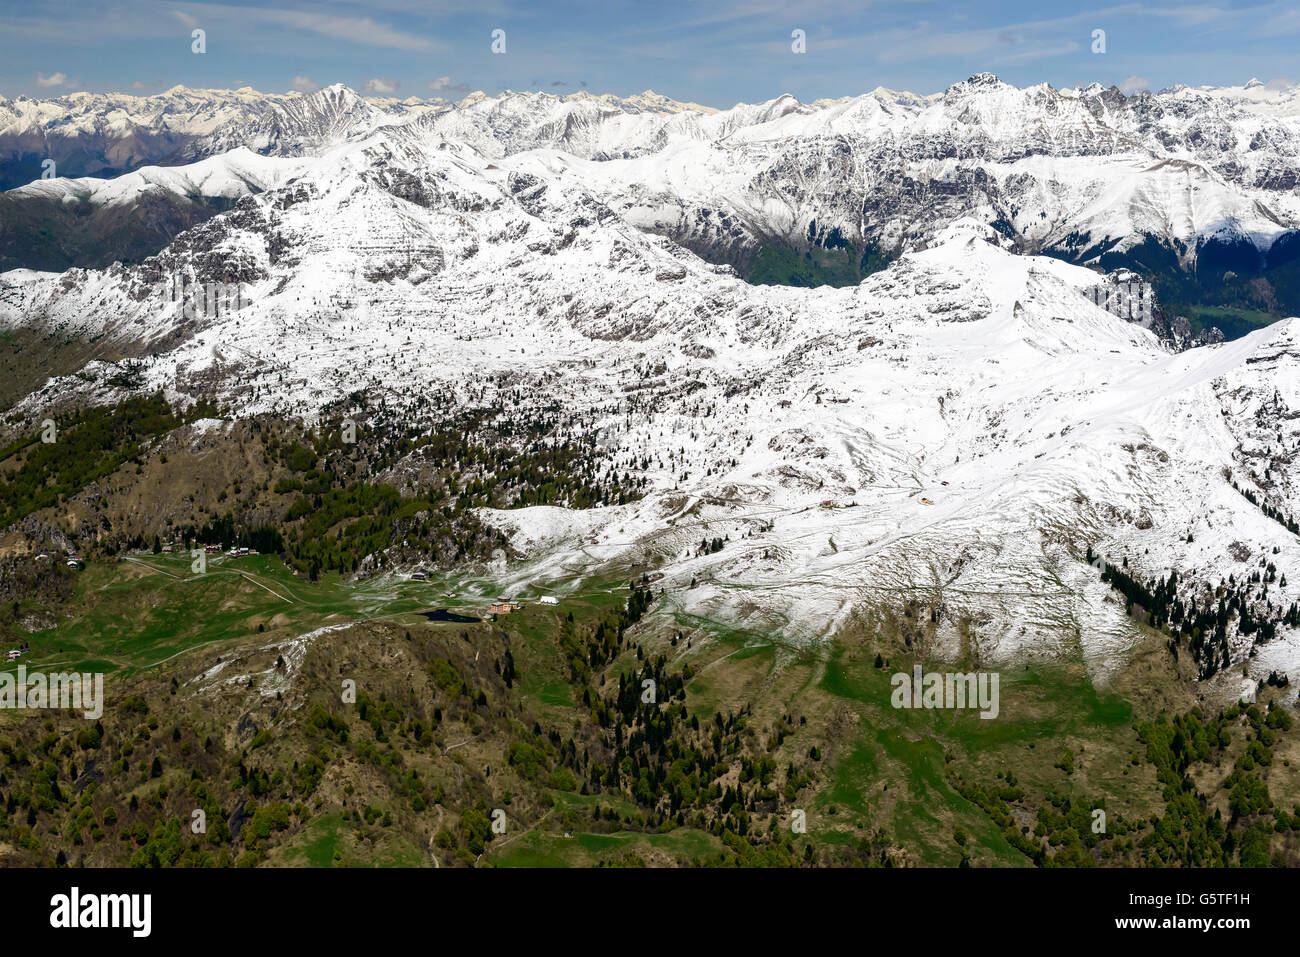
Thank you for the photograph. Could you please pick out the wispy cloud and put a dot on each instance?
(54, 79)
(1283, 22)
(1197, 15)
(1041, 53)
(361, 30)
(923, 39)
(304, 84)
(379, 84)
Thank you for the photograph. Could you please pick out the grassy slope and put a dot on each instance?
(876, 768)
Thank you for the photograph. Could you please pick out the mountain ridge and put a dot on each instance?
(1194, 189)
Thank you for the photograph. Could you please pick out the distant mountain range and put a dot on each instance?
(1196, 188)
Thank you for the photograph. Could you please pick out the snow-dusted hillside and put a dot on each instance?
(957, 430)
(228, 176)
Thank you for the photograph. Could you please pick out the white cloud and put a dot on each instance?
(185, 18)
(304, 84)
(54, 79)
(444, 84)
(379, 84)
(1134, 84)
(137, 85)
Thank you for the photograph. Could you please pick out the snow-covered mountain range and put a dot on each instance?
(957, 430)
(104, 134)
(1208, 176)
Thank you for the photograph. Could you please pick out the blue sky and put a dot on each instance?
(716, 52)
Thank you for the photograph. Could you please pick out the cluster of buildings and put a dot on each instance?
(239, 552)
(504, 606)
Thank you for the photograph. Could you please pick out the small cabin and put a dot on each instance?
(548, 600)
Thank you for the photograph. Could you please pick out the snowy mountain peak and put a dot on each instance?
(967, 229)
(979, 80)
